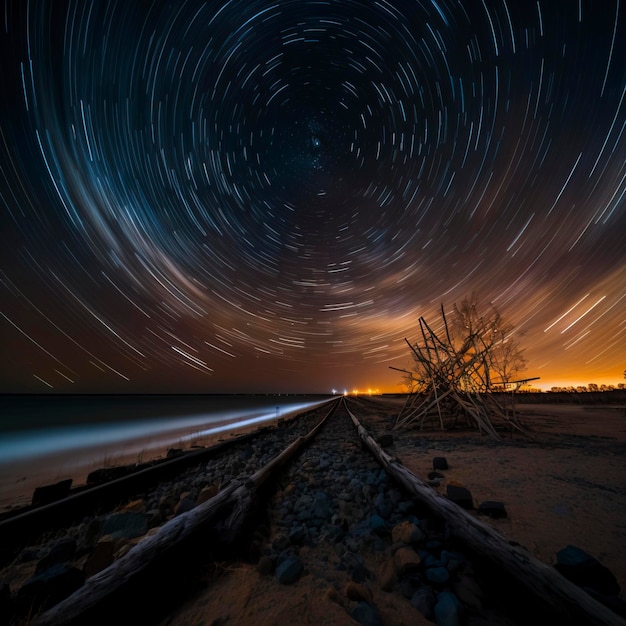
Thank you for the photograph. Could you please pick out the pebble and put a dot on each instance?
(345, 500)
(492, 509)
(448, 609)
(289, 570)
(358, 592)
(405, 560)
(366, 614)
(440, 463)
(438, 575)
(424, 601)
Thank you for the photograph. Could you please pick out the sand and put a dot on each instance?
(566, 487)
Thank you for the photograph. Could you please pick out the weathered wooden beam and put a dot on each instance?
(179, 539)
(83, 605)
(542, 580)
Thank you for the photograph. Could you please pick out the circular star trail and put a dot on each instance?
(248, 195)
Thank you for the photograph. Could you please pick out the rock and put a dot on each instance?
(321, 506)
(369, 492)
(387, 575)
(288, 490)
(297, 535)
(208, 492)
(136, 506)
(435, 476)
(358, 592)
(366, 614)
(51, 493)
(407, 532)
(128, 525)
(585, 571)
(428, 560)
(424, 601)
(156, 518)
(440, 463)
(438, 575)
(167, 503)
(100, 558)
(460, 495)
(107, 474)
(448, 609)
(280, 543)
(185, 504)
(493, 509)
(60, 552)
(405, 560)
(468, 591)
(331, 533)
(383, 505)
(377, 524)
(452, 560)
(92, 532)
(410, 583)
(289, 570)
(51, 586)
(406, 506)
(433, 545)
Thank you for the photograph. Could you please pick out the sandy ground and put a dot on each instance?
(568, 486)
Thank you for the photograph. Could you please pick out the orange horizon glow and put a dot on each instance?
(535, 385)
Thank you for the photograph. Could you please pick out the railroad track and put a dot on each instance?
(314, 499)
(214, 465)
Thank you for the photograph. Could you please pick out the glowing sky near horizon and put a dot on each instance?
(252, 195)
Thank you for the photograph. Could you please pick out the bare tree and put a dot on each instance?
(489, 334)
(456, 363)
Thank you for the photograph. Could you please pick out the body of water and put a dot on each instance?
(44, 439)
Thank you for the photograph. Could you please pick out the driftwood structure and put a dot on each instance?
(544, 582)
(452, 385)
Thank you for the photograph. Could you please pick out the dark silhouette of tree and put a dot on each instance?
(456, 363)
(489, 333)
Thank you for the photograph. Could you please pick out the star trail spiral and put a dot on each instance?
(253, 195)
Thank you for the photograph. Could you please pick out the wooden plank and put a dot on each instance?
(175, 541)
(542, 580)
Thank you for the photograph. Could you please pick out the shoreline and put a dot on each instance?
(19, 477)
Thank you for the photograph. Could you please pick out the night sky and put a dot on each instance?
(265, 196)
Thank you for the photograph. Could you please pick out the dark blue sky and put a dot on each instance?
(266, 196)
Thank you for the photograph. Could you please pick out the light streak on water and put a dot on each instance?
(138, 435)
(40, 456)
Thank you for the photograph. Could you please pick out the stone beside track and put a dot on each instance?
(332, 524)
